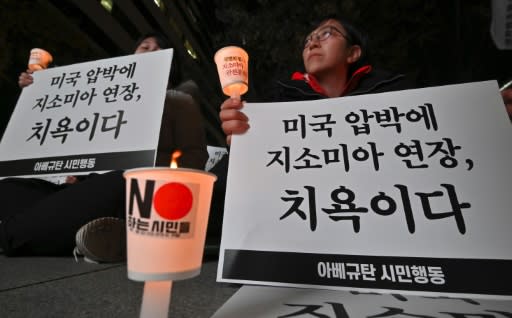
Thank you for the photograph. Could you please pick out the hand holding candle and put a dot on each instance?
(232, 66)
(39, 59)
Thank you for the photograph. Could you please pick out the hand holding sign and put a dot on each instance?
(234, 121)
(39, 59)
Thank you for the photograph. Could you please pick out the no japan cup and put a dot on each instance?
(166, 217)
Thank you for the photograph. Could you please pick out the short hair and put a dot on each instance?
(354, 36)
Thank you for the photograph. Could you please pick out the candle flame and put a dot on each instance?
(174, 159)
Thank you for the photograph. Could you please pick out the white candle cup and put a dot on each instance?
(166, 218)
(233, 69)
(39, 59)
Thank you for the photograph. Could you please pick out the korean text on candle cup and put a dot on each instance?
(232, 66)
(166, 217)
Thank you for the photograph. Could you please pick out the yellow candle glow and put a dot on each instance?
(174, 159)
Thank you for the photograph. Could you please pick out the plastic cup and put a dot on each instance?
(166, 218)
(232, 66)
(39, 59)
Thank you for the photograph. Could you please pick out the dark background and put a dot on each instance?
(435, 42)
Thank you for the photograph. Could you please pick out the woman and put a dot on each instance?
(42, 218)
(335, 61)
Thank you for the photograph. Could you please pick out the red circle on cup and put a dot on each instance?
(173, 201)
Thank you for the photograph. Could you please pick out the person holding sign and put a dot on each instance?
(181, 124)
(42, 218)
(336, 64)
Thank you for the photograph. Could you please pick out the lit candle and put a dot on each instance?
(39, 59)
(165, 239)
(156, 296)
(232, 67)
(174, 159)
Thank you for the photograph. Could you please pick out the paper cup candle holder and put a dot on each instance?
(39, 59)
(232, 66)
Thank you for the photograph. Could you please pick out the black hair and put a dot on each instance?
(162, 41)
(354, 36)
(175, 76)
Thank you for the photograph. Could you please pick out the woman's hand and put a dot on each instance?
(507, 99)
(25, 79)
(234, 121)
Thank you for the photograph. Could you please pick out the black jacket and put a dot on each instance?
(377, 81)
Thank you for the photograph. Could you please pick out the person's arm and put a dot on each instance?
(507, 99)
(234, 121)
(25, 79)
(182, 129)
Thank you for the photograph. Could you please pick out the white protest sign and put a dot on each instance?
(405, 190)
(95, 116)
(215, 154)
(263, 302)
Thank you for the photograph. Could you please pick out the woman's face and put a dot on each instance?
(328, 54)
(147, 45)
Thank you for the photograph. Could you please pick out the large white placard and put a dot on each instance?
(264, 302)
(95, 116)
(405, 190)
